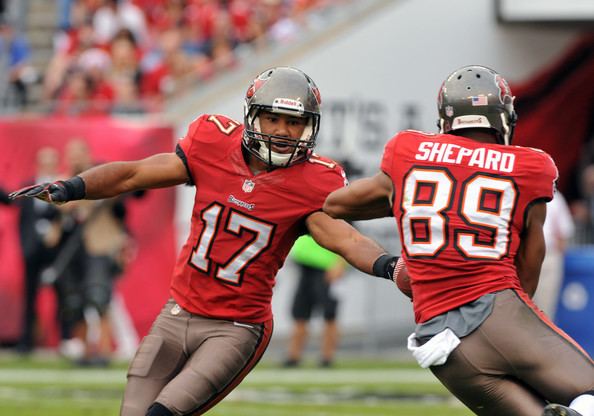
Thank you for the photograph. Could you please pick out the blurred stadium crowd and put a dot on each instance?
(128, 56)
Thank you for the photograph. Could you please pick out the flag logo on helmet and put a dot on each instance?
(480, 100)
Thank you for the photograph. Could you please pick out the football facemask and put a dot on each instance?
(287, 91)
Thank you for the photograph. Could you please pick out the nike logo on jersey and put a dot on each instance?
(241, 203)
(480, 157)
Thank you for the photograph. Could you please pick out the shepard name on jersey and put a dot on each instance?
(480, 157)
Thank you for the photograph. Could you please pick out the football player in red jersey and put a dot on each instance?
(258, 188)
(470, 209)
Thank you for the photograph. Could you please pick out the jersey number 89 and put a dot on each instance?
(485, 204)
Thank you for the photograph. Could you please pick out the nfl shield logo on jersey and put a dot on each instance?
(248, 185)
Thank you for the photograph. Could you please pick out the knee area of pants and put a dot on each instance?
(157, 409)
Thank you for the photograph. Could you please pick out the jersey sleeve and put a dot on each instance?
(321, 178)
(209, 139)
(545, 173)
(387, 164)
(550, 177)
(187, 147)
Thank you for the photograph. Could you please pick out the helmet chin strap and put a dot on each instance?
(276, 159)
(279, 159)
(506, 130)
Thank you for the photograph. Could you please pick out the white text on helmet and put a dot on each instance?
(480, 157)
(287, 105)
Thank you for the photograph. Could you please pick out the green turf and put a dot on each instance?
(53, 387)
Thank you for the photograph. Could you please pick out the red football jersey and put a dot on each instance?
(460, 207)
(243, 226)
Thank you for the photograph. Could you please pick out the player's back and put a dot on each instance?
(460, 206)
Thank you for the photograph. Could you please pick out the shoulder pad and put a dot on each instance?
(316, 159)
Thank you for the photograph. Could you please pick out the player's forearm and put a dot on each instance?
(529, 274)
(368, 212)
(343, 239)
(157, 171)
(528, 263)
(361, 252)
(532, 249)
(110, 179)
(361, 200)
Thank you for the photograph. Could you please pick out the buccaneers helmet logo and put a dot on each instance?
(442, 91)
(257, 84)
(504, 90)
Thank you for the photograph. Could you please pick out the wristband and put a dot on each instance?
(75, 188)
(384, 266)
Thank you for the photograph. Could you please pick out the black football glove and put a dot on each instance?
(53, 192)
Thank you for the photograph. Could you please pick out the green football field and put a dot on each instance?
(52, 387)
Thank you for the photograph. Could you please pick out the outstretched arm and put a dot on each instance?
(111, 179)
(532, 248)
(343, 239)
(362, 200)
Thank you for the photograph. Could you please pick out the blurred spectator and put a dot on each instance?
(583, 208)
(283, 21)
(124, 75)
(114, 15)
(125, 56)
(243, 15)
(105, 250)
(81, 95)
(96, 64)
(127, 98)
(318, 270)
(16, 73)
(222, 43)
(168, 68)
(64, 9)
(558, 231)
(165, 14)
(40, 232)
(69, 48)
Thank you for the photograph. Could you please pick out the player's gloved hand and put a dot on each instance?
(57, 192)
